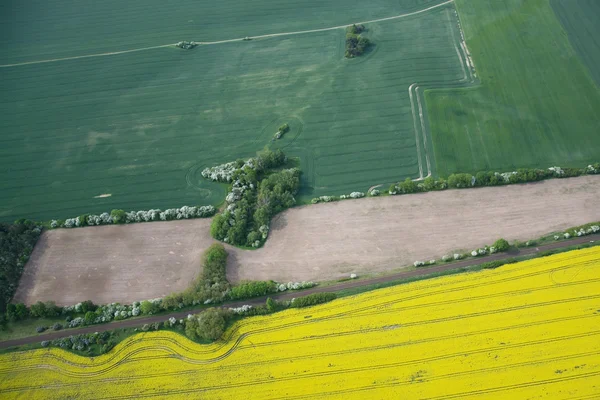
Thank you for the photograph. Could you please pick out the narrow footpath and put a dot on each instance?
(421, 272)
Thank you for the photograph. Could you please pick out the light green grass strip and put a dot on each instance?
(537, 105)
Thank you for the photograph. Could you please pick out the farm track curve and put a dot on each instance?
(319, 289)
(271, 35)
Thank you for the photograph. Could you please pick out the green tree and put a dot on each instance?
(191, 328)
(11, 312)
(211, 324)
(429, 184)
(118, 216)
(38, 310)
(271, 305)
(501, 245)
(148, 307)
(88, 305)
(83, 220)
(21, 311)
(89, 317)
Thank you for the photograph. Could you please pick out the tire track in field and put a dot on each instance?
(368, 368)
(333, 306)
(419, 123)
(184, 358)
(271, 35)
(376, 296)
(314, 355)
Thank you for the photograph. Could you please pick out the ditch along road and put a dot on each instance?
(422, 272)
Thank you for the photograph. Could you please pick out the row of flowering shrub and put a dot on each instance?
(500, 245)
(327, 199)
(122, 217)
(460, 181)
(580, 231)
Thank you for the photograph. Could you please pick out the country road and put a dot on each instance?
(318, 289)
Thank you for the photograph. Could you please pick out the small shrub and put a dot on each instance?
(501, 245)
(57, 326)
(40, 329)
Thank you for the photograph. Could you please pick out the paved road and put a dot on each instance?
(130, 323)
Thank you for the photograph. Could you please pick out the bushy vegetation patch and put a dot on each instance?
(257, 193)
(313, 299)
(16, 244)
(356, 43)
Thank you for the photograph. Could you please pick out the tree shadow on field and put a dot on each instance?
(278, 222)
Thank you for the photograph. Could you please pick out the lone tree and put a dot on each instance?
(501, 245)
(211, 324)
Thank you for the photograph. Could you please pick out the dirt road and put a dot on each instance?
(318, 242)
(289, 295)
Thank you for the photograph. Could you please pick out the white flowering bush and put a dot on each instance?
(418, 263)
(220, 173)
(493, 250)
(70, 222)
(506, 176)
(558, 171)
(446, 258)
(294, 286)
(556, 237)
(374, 193)
(185, 212)
(353, 276)
(458, 256)
(357, 195)
(75, 322)
(474, 253)
(567, 235)
(241, 310)
(324, 199)
(431, 262)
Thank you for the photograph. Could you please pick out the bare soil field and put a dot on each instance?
(317, 242)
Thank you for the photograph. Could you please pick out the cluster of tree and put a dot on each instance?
(210, 286)
(489, 178)
(356, 44)
(16, 244)
(258, 193)
(246, 290)
(208, 325)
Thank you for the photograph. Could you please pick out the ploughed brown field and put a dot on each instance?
(318, 242)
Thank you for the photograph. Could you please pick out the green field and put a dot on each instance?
(141, 126)
(581, 20)
(537, 105)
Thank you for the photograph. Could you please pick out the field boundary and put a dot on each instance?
(353, 284)
(270, 35)
(469, 79)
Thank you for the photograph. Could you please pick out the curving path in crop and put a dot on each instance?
(317, 242)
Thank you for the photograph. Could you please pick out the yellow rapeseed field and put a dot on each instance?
(524, 331)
